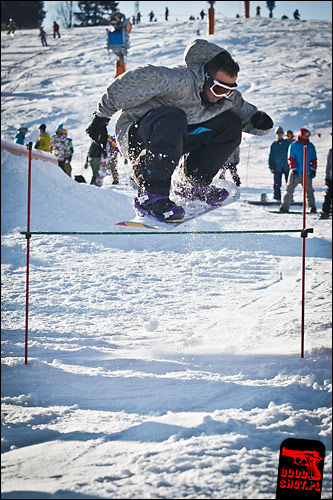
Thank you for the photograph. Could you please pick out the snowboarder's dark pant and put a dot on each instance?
(277, 183)
(159, 139)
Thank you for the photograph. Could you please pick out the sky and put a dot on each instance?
(183, 10)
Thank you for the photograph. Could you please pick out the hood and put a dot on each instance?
(197, 54)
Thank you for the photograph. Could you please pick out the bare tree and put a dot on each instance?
(65, 13)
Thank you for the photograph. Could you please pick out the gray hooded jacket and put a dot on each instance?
(144, 88)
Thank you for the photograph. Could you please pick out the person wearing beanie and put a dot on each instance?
(60, 147)
(43, 141)
(295, 161)
(290, 136)
(278, 162)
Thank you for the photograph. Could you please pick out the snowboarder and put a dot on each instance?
(295, 160)
(43, 142)
(20, 135)
(327, 205)
(42, 35)
(56, 29)
(167, 112)
(278, 162)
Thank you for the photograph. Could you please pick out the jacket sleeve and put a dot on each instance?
(291, 157)
(270, 159)
(133, 88)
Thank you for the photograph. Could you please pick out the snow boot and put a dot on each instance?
(158, 206)
(190, 190)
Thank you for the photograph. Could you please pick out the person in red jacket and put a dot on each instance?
(295, 161)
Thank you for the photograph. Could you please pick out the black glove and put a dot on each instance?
(261, 121)
(97, 130)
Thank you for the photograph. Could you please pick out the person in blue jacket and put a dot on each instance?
(20, 135)
(278, 161)
(295, 160)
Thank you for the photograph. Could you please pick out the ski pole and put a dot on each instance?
(28, 236)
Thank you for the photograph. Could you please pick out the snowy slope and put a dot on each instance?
(160, 366)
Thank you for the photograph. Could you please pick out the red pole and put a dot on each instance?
(303, 249)
(28, 255)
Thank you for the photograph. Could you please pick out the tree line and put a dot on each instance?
(32, 14)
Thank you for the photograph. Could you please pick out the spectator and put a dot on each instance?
(202, 14)
(71, 148)
(59, 146)
(295, 160)
(278, 161)
(112, 158)
(43, 142)
(166, 13)
(56, 30)
(138, 18)
(11, 27)
(290, 136)
(42, 35)
(297, 15)
(94, 159)
(151, 16)
(231, 165)
(258, 11)
(20, 135)
(327, 205)
(270, 7)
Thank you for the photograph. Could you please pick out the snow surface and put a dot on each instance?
(160, 366)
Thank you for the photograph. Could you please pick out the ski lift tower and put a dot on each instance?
(211, 14)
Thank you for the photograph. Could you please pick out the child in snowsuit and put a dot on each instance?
(20, 135)
(59, 146)
(111, 158)
(295, 161)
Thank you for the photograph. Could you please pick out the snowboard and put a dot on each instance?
(290, 212)
(270, 203)
(193, 210)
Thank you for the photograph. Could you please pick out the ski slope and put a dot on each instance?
(160, 366)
